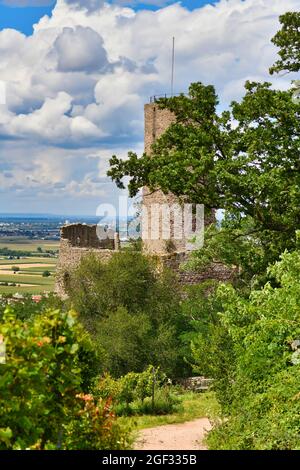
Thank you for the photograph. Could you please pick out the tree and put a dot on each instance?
(133, 310)
(46, 273)
(244, 161)
(126, 339)
(262, 398)
(15, 269)
(288, 41)
(129, 279)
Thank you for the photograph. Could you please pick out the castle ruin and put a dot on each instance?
(79, 240)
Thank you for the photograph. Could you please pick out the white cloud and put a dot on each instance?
(80, 49)
(80, 81)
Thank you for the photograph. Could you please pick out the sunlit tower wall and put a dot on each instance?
(157, 121)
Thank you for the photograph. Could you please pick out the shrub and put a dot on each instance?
(262, 399)
(208, 345)
(126, 339)
(26, 309)
(42, 381)
(132, 393)
(94, 427)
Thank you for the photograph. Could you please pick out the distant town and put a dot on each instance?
(37, 227)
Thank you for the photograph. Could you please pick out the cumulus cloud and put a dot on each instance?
(80, 81)
(80, 49)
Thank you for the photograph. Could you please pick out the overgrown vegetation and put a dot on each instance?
(50, 361)
(133, 312)
(261, 394)
(142, 393)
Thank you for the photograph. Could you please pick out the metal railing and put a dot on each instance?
(155, 98)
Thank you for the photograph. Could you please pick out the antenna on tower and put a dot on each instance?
(173, 63)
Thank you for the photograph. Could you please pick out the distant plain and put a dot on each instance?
(29, 278)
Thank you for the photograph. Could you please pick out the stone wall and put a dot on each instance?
(215, 271)
(196, 384)
(78, 241)
(85, 236)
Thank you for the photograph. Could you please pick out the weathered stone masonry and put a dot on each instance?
(77, 241)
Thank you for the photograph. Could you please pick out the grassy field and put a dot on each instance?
(193, 406)
(25, 260)
(29, 278)
(23, 244)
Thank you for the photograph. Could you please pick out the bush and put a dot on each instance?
(46, 370)
(130, 300)
(94, 427)
(208, 345)
(132, 393)
(165, 402)
(46, 273)
(126, 339)
(26, 309)
(262, 400)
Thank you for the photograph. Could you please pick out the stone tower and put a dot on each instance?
(157, 121)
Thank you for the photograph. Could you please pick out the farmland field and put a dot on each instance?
(28, 275)
(24, 244)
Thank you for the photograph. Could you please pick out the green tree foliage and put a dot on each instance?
(132, 308)
(126, 339)
(288, 42)
(42, 404)
(261, 397)
(208, 345)
(245, 161)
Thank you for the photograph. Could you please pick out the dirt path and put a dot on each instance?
(185, 436)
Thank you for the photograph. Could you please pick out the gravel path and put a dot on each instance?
(185, 436)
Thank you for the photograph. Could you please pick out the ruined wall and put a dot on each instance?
(76, 242)
(215, 271)
(85, 236)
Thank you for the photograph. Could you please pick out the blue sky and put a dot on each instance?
(72, 92)
(23, 18)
